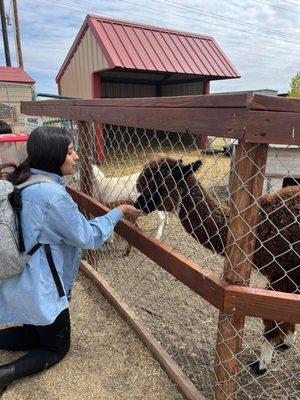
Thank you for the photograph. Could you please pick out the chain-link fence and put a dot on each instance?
(220, 209)
(11, 95)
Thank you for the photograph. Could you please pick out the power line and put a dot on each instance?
(273, 6)
(290, 2)
(71, 6)
(223, 18)
(210, 23)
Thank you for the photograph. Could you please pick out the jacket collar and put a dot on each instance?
(56, 178)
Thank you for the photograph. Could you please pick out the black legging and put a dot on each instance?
(47, 344)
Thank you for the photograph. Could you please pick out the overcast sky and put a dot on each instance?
(260, 37)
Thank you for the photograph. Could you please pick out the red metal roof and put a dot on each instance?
(149, 48)
(14, 74)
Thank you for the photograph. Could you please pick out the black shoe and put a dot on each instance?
(7, 375)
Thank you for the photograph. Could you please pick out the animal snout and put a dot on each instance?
(147, 205)
(141, 204)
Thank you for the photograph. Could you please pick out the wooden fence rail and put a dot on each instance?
(253, 118)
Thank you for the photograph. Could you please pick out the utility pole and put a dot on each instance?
(17, 34)
(4, 34)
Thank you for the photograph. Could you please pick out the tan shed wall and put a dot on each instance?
(12, 94)
(182, 89)
(76, 80)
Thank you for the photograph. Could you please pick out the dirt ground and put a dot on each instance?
(106, 361)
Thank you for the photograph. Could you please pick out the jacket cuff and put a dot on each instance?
(115, 215)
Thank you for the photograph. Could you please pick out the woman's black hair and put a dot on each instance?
(47, 149)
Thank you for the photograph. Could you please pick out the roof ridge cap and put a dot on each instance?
(149, 26)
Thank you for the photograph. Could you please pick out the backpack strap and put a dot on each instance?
(17, 204)
(32, 180)
(34, 249)
(53, 269)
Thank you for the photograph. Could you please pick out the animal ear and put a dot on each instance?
(180, 172)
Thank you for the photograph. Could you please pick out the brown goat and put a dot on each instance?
(169, 185)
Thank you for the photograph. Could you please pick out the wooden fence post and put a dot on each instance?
(86, 159)
(246, 184)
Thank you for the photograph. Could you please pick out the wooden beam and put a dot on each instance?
(270, 103)
(246, 186)
(262, 303)
(185, 386)
(225, 122)
(272, 127)
(85, 152)
(210, 101)
(239, 100)
(216, 115)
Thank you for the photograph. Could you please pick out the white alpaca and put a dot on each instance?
(123, 188)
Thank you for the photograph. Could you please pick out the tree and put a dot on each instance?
(295, 86)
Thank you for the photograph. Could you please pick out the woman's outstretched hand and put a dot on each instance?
(127, 209)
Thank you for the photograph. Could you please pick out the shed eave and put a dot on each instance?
(190, 75)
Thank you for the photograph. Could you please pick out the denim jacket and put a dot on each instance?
(49, 215)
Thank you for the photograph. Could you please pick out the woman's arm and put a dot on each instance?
(65, 223)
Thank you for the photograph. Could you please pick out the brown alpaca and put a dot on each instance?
(166, 184)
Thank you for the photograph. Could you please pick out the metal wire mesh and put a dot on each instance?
(11, 94)
(184, 323)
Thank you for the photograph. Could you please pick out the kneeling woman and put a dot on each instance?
(38, 298)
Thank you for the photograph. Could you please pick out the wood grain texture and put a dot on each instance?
(272, 127)
(270, 103)
(85, 139)
(225, 122)
(234, 100)
(246, 186)
(254, 118)
(266, 304)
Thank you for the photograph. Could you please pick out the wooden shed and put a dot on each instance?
(112, 58)
(15, 86)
